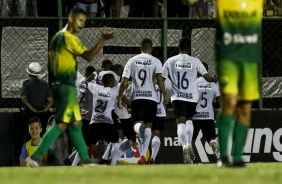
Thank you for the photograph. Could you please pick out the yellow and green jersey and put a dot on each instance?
(63, 50)
(238, 34)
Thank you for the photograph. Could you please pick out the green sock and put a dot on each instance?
(239, 139)
(48, 139)
(79, 143)
(224, 124)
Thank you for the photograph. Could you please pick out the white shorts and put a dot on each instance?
(88, 8)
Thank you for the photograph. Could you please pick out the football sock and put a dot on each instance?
(114, 153)
(156, 143)
(181, 132)
(239, 138)
(140, 148)
(79, 143)
(224, 124)
(148, 135)
(76, 160)
(136, 127)
(47, 140)
(189, 131)
(107, 152)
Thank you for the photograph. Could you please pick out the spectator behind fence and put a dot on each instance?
(34, 129)
(177, 8)
(36, 96)
(89, 6)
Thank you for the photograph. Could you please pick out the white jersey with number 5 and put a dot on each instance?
(104, 99)
(142, 69)
(182, 70)
(207, 92)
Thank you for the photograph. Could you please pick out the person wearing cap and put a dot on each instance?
(36, 96)
(35, 93)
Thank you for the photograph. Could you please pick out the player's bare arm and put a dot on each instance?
(49, 104)
(160, 82)
(209, 78)
(28, 105)
(106, 35)
(122, 88)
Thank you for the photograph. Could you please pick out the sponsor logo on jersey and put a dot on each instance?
(144, 62)
(159, 110)
(239, 14)
(185, 95)
(105, 95)
(183, 65)
(132, 156)
(99, 117)
(202, 115)
(141, 93)
(229, 38)
(204, 85)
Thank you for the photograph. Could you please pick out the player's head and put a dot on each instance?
(89, 70)
(184, 45)
(109, 80)
(146, 45)
(76, 20)
(117, 68)
(107, 64)
(206, 66)
(34, 127)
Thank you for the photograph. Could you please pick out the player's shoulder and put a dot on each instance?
(26, 82)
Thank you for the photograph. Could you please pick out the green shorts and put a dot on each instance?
(239, 78)
(67, 109)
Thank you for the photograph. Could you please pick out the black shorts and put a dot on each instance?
(85, 126)
(143, 110)
(183, 108)
(116, 119)
(98, 131)
(127, 127)
(158, 123)
(207, 127)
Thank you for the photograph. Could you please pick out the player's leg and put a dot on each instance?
(189, 131)
(110, 134)
(157, 127)
(248, 93)
(208, 128)
(138, 113)
(129, 133)
(228, 74)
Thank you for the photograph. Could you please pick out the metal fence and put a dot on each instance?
(25, 40)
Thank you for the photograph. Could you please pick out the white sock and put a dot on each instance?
(107, 152)
(76, 160)
(119, 140)
(72, 155)
(181, 132)
(148, 135)
(140, 147)
(114, 153)
(156, 143)
(136, 127)
(189, 130)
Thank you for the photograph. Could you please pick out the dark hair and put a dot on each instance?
(206, 66)
(184, 45)
(146, 43)
(107, 78)
(115, 67)
(34, 120)
(76, 11)
(107, 64)
(90, 69)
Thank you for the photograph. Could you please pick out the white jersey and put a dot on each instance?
(142, 68)
(86, 101)
(207, 92)
(102, 73)
(182, 70)
(160, 107)
(104, 99)
(79, 79)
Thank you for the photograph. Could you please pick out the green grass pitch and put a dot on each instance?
(254, 173)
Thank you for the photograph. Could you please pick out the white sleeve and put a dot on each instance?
(165, 70)
(159, 68)
(201, 68)
(127, 69)
(216, 88)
